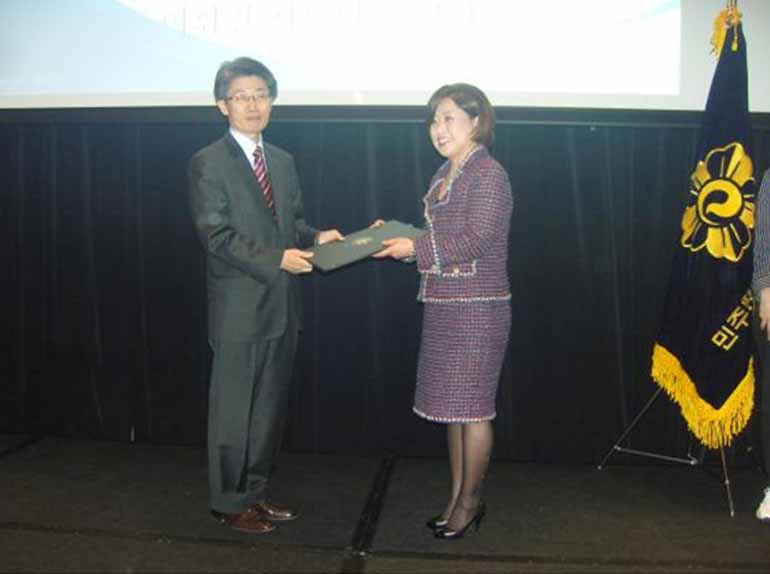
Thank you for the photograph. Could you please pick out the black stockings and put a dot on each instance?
(470, 446)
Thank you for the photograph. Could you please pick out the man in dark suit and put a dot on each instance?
(246, 204)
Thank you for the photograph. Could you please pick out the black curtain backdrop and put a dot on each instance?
(103, 303)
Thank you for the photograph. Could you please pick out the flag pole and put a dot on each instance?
(727, 482)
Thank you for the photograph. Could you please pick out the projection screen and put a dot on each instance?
(638, 54)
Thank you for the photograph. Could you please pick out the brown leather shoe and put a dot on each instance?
(273, 511)
(249, 521)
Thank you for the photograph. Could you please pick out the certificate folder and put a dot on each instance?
(359, 245)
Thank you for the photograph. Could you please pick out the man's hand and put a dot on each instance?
(328, 236)
(764, 311)
(397, 248)
(296, 261)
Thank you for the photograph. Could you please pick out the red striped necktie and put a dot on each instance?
(260, 170)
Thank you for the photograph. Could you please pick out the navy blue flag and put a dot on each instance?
(703, 356)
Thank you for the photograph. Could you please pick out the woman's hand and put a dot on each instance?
(397, 248)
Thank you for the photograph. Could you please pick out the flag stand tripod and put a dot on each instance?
(690, 460)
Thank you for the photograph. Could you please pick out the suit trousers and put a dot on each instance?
(248, 397)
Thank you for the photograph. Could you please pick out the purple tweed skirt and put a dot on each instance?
(461, 354)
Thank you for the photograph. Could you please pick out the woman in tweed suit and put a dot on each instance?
(462, 260)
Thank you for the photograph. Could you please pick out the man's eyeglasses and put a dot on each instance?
(244, 98)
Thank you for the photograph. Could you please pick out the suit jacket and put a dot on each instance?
(249, 296)
(464, 255)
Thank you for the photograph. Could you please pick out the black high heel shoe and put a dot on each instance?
(438, 522)
(474, 523)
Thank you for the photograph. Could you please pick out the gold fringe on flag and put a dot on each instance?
(715, 428)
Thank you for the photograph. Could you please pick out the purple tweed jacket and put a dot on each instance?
(463, 257)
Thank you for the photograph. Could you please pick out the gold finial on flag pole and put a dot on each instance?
(733, 20)
(730, 17)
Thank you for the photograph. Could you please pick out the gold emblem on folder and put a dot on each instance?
(362, 241)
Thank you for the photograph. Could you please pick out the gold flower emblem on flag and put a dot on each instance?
(722, 215)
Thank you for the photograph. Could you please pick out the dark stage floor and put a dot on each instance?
(81, 506)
